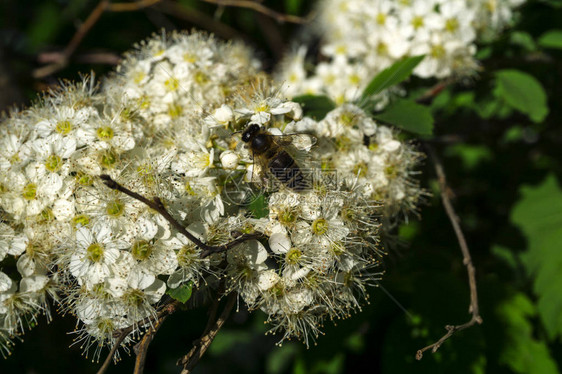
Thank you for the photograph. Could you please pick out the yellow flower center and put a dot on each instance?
(53, 163)
(320, 226)
(29, 191)
(104, 133)
(63, 127)
(417, 22)
(80, 219)
(293, 256)
(452, 25)
(141, 250)
(115, 208)
(94, 252)
(175, 110)
(108, 158)
(84, 179)
(171, 84)
(186, 255)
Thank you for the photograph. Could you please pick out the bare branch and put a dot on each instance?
(430, 94)
(200, 19)
(74, 42)
(158, 206)
(467, 260)
(192, 358)
(141, 348)
(260, 8)
(130, 7)
(85, 27)
(123, 333)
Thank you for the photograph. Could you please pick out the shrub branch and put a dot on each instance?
(467, 260)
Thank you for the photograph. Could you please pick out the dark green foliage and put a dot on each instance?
(499, 137)
(391, 76)
(409, 116)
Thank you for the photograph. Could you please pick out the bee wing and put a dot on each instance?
(302, 142)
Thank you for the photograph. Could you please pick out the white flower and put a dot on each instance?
(95, 251)
(51, 167)
(5, 282)
(64, 120)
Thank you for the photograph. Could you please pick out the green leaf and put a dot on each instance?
(539, 216)
(523, 353)
(551, 39)
(522, 92)
(553, 3)
(181, 293)
(523, 39)
(293, 6)
(470, 154)
(391, 76)
(315, 107)
(280, 358)
(228, 340)
(46, 23)
(259, 207)
(408, 115)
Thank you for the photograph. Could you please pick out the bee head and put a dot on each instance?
(250, 132)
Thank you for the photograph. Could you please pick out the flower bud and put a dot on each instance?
(224, 114)
(229, 160)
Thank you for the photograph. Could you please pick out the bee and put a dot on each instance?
(271, 154)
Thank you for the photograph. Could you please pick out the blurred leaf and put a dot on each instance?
(523, 92)
(181, 293)
(293, 6)
(332, 366)
(300, 366)
(259, 207)
(315, 107)
(470, 154)
(355, 342)
(409, 116)
(538, 213)
(408, 231)
(523, 39)
(483, 53)
(280, 358)
(227, 340)
(391, 76)
(506, 255)
(45, 25)
(523, 353)
(552, 3)
(551, 39)
(513, 134)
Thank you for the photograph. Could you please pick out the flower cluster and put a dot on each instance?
(362, 37)
(170, 124)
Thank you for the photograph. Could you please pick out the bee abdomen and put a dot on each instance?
(284, 168)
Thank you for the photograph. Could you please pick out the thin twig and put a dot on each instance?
(141, 348)
(158, 206)
(467, 260)
(121, 334)
(430, 94)
(199, 19)
(260, 8)
(74, 42)
(85, 27)
(85, 58)
(129, 7)
(192, 358)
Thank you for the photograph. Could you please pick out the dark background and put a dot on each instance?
(488, 150)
